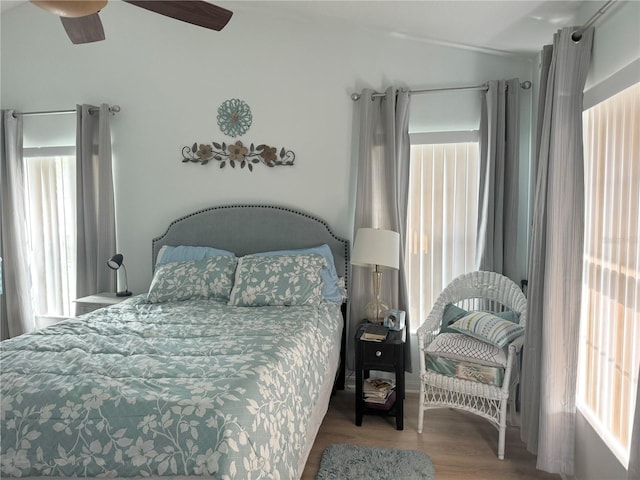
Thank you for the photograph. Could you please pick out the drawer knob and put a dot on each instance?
(378, 353)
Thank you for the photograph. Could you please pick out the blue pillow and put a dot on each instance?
(330, 290)
(184, 253)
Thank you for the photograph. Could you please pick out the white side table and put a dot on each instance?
(94, 302)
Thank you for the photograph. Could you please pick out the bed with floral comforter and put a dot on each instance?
(194, 387)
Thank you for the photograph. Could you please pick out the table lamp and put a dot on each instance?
(378, 248)
(115, 263)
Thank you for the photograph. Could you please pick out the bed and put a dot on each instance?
(224, 369)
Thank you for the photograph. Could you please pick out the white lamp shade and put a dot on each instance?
(374, 246)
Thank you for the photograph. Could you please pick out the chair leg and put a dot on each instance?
(502, 429)
(421, 409)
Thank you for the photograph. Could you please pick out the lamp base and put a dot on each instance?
(375, 311)
(126, 293)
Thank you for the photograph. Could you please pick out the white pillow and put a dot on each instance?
(458, 346)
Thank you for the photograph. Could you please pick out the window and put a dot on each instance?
(610, 329)
(51, 209)
(442, 215)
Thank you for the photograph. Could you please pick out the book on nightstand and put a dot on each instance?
(379, 393)
(374, 332)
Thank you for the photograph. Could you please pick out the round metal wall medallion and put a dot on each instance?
(234, 117)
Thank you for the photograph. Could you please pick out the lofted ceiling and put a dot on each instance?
(516, 26)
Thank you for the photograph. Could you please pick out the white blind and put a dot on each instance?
(610, 330)
(51, 210)
(441, 220)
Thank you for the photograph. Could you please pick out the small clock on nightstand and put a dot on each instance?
(94, 302)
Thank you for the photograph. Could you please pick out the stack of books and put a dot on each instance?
(379, 393)
(374, 332)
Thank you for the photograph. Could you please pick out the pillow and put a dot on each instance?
(487, 327)
(331, 287)
(458, 346)
(183, 253)
(452, 313)
(208, 278)
(278, 280)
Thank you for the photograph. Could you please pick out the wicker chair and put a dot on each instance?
(473, 291)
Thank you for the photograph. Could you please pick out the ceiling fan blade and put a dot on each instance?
(196, 12)
(83, 29)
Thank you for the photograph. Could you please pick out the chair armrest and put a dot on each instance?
(425, 337)
(517, 344)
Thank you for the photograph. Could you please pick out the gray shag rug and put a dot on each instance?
(358, 462)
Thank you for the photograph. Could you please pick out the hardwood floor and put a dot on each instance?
(461, 446)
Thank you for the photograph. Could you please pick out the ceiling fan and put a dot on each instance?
(82, 23)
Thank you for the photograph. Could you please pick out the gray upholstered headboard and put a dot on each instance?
(245, 229)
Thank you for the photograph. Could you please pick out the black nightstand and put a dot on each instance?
(385, 356)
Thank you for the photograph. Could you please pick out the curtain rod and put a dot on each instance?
(113, 109)
(577, 35)
(526, 85)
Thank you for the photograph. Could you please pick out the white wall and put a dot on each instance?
(169, 78)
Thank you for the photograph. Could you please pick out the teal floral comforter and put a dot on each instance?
(185, 388)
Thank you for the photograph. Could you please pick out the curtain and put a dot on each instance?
(16, 314)
(498, 189)
(550, 354)
(96, 237)
(381, 196)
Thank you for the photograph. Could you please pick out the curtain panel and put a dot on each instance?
(16, 314)
(381, 197)
(550, 354)
(96, 232)
(499, 169)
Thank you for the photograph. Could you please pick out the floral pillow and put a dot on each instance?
(278, 280)
(333, 286)
(209, 278)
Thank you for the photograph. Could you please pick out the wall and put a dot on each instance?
(169, 78)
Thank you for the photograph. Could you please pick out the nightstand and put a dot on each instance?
(385, 356)
(94, 302)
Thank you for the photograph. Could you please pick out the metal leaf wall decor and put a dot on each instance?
(237, 155)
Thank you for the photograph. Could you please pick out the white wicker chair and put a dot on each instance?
(496, 293)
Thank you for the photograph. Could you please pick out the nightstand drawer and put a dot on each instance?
(378, 354)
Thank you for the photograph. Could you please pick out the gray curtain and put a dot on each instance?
(96, 234)
(555, 260)
(16, 316)
(498, 188)
(381, 196)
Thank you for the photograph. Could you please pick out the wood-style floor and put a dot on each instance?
(461, 446)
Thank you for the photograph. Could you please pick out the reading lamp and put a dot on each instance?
(378, 248)
(115, 263)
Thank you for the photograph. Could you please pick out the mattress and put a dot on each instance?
(174, 389)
